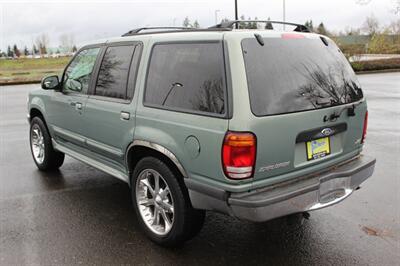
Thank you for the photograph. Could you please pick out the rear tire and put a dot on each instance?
(177, 221)
(43, 153)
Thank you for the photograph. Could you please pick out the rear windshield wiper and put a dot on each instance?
(350, 112)
(322, 103)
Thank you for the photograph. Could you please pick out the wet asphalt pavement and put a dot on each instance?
(80, 215)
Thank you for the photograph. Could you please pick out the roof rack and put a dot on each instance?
(225, 26)
(154, 30)
(231, 23)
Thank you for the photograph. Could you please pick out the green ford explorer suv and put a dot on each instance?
(256, 124)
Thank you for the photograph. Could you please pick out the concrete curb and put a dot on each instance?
(378, 71)
(20, 82)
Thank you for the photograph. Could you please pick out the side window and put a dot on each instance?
(188, 76)
(114, 71)
(77, 75)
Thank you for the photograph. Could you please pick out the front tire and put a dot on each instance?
(162, 204)
(43, 153)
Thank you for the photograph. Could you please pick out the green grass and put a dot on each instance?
(24, 69)
(376, 65)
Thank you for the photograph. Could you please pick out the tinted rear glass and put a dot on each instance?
(297, 74)
(187, 76)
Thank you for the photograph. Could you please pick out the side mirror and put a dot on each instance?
(50, 83)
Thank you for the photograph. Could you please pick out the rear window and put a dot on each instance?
(297, 74)
(113, 74)
(187, 77)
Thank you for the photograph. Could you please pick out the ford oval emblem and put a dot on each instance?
(327, 131)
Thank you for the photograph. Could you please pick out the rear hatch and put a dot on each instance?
(307, 104)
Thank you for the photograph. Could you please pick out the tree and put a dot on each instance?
(196, 24)
(67, 42)
(252, 25)
(321, 29)
(242, 25)
(309, 24)
(352, 31)
(394, 27)
(42, 41)
(16, 51)
(224, 20)
(371, 25)
(26, 51)
(10, 52)
(379, 43)
(268, 25)
(74, 49)
(397, 7)
(34, 50)
(186, 22)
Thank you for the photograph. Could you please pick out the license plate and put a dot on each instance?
(318, 148)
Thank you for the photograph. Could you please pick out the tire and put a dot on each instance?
(44, 156)
(177, 224)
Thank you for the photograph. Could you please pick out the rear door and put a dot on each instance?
(110, 112)
(306, 101)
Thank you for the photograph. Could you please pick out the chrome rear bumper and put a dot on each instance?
(303, 194)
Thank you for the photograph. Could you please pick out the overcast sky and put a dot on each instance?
(22, 21)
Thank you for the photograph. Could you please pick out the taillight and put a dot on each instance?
(365, 127)
(239, 154)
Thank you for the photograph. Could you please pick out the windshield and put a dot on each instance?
(296, 74)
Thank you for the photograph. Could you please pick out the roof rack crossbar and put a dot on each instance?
(231, 23)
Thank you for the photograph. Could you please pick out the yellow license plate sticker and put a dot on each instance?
(318, 148)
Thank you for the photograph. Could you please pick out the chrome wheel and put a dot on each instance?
(155, 201)
(37, 144)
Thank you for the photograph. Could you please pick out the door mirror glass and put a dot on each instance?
(73, 85)
(50, 83)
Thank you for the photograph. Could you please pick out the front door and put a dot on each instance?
(67, 107)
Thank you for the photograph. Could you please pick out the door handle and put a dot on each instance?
(125, 116)
(78, 106)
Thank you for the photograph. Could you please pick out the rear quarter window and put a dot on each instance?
(187, 77)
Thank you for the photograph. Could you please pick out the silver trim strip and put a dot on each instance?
(160, 149)
(96, 164)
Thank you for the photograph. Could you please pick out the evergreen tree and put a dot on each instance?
(26, 51)
(196, 24)
(10, 52)
(321, 29)
(74, 49)
(242, 25)
(253, 25)
(224, 20)
(186, 22)
(34, 50)
(268, 25)
(16, 51)
(309, 24)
